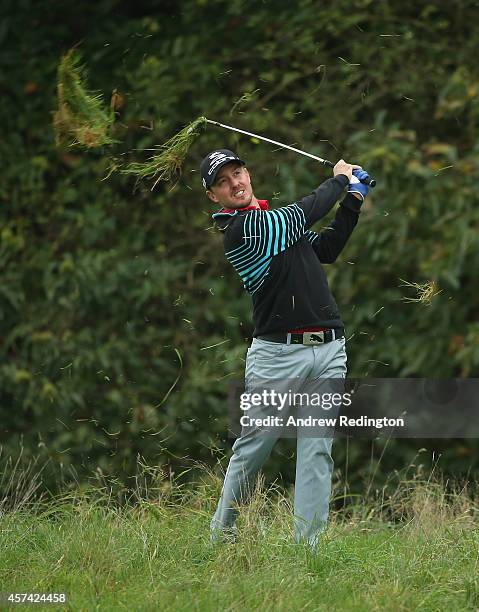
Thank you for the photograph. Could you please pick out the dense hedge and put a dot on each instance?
(111, 294)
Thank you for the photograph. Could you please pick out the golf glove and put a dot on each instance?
(355, 186)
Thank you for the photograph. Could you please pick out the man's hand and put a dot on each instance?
(343, 167)
(358, 189)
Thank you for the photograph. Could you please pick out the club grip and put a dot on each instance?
(367, 181)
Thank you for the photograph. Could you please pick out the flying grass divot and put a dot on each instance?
(82, 119)
(425, 291)
(167, 163)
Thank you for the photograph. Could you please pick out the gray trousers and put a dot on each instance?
(285, 367)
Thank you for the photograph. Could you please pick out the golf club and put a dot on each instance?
(368, 181)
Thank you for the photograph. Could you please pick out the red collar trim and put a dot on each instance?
(263, 204)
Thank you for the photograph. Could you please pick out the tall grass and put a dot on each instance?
(413, 545)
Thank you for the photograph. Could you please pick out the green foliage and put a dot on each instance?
(103, 286)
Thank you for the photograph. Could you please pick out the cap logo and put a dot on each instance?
(219, 159)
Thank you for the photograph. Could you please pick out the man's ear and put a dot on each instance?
(212, 196)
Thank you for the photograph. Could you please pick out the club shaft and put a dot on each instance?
(275, 142)
(369, 181)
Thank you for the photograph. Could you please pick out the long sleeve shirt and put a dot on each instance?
(279, 258)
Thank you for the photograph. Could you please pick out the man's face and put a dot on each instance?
(232, 187)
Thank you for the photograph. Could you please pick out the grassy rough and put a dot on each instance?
(153, 552)
(81, 118)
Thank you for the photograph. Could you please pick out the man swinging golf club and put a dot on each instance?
(299, 334)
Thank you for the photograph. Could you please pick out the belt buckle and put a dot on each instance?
(313, 337)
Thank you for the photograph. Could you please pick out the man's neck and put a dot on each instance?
(252, 204)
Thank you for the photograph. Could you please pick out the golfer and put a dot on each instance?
(299, 334)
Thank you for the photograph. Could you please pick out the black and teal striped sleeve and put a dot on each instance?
(266, 233)
(271, 232)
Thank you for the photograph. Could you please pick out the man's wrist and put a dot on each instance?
(352, 203)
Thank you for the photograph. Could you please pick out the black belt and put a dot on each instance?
(307, 338)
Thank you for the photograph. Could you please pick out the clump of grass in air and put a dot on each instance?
(81, 118)
(167, 163)
(425, 291)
